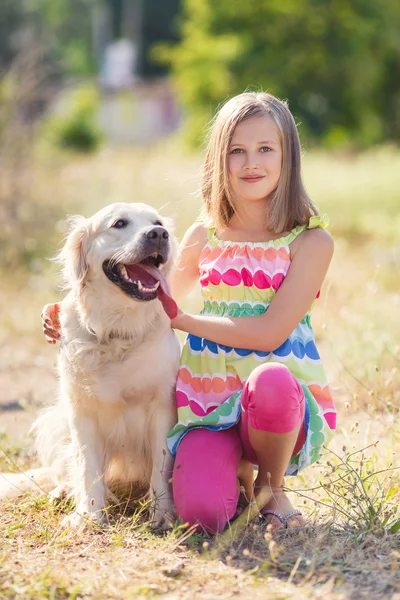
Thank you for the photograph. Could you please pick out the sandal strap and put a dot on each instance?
(283, 519)
(293, 513)
(274, 513)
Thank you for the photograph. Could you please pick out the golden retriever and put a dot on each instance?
(117, 364)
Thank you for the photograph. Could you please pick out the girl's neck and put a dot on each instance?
(249, 225)
(239, 232)
(251, 218)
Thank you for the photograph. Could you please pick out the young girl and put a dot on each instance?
(251, 389)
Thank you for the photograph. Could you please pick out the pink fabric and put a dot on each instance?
(205, 478)
(272, 400)
(205, 483)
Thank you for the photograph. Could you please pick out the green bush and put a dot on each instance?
(334, 61)
(75, 126)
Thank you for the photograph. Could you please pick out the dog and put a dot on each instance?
(117, 364)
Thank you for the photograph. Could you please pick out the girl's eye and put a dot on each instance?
(236, 151)
(265, 149)
(120, 224)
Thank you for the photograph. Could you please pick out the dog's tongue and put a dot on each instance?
(149, 275)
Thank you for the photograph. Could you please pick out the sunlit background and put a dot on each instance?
(109, 100)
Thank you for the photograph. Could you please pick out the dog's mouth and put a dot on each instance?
(143, 281)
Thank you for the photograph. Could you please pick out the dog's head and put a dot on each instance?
(131, 246)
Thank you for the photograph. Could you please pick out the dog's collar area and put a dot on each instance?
(117, 335)
(113, 334)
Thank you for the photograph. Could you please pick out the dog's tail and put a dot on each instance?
(51, 434)
(13, 485)
(51, 431)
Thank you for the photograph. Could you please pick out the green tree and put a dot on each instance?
(62, 26)
(335, 60)
(12, 17)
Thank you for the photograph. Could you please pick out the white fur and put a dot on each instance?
(118, 363)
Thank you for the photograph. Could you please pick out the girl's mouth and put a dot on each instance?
(253, 179)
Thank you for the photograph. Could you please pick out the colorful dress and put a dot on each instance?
(241, 279)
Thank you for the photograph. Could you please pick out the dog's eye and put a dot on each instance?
(120, 224)
(158, 223)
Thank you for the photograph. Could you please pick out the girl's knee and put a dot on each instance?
(205, 502)
(204, 479)
(273, 399)
(204, 513)
(272, 378)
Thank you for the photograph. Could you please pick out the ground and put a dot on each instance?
(350, 498)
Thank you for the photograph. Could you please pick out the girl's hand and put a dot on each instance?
(51, 323)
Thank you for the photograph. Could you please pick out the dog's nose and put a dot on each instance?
(157, 232)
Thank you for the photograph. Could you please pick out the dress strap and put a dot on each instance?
(210, 229)
(211, 234)
(321, 221)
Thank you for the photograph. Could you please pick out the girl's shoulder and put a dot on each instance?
(313, 236)
(193, 242)
(197, 234)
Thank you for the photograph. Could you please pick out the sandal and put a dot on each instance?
(284, 519)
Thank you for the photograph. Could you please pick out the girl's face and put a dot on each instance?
(255, 159)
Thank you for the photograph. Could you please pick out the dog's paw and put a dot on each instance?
(84, 521)
(59, 493)
(73, 521)
(163, 519)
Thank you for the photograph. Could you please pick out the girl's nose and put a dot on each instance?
(251, 162)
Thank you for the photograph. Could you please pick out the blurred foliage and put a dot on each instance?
(159, 23)
(63, 25)
(75, 127)
(337, 61)
(68, 28)
(25, 209)
(11, 19)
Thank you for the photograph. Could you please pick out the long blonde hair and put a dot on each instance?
(289, 205)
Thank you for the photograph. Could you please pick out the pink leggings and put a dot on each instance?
(206, 466)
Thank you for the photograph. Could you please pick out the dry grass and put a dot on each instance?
(351, 498)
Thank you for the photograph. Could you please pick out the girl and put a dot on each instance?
(251, 389)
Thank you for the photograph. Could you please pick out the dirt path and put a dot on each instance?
(27, 382)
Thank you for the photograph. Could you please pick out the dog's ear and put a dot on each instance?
(74, 252)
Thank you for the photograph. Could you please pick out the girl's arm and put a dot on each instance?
(267, 332)
(186, 273)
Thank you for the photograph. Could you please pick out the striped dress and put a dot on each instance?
(241, 279)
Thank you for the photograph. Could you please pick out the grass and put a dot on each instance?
(359, 192)
(351, 497)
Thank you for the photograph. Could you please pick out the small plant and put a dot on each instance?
(360, 496)
(75, 127)
(14, 457)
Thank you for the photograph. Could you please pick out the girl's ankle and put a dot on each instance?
(272, 490)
